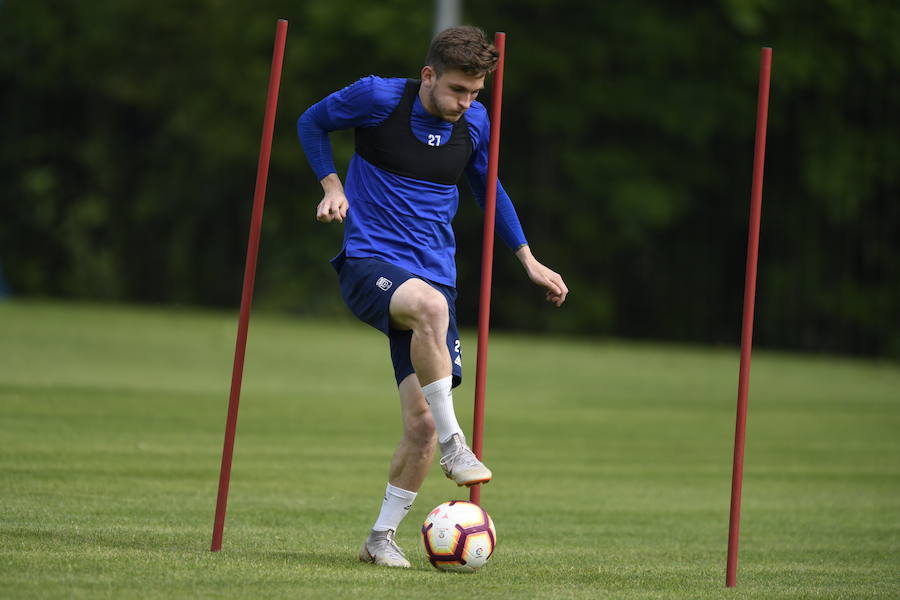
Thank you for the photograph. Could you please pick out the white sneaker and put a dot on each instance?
(460, 464)
(381, 549)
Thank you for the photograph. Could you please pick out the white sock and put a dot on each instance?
(439, 395)
(397, 503)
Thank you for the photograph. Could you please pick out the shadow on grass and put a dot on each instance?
(64, 538)
(87, 540)
(319, 558)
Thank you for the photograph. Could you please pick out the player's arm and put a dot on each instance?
(507, 221)
(362, 104)
(510, 230)
(313, 127)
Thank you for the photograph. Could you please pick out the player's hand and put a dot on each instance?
(544, 277)
(333, 207)
(551, 280)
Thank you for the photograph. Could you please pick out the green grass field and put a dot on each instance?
(612, 465)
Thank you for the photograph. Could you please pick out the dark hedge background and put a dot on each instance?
(131, 131)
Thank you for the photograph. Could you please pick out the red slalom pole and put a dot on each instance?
(737, 474)
(487, 259)
(259, 197)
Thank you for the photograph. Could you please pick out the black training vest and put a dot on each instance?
(392, 146)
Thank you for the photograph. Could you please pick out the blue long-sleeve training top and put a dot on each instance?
(403, 221)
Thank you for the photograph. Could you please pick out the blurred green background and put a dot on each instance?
(131, 132)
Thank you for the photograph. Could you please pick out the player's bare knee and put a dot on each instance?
(418, 306)
(432, 313)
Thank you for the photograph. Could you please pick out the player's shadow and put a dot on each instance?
(307, 557)
(338, 559)
(176, 543)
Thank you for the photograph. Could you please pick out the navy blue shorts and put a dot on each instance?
(367, 285)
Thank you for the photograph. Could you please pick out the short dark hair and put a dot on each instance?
(465, 48)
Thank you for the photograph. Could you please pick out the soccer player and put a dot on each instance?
(397, 271)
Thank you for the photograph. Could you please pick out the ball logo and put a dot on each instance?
(384, 283)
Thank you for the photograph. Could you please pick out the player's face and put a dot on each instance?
(449, 96)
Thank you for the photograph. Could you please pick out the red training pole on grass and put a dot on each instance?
(259, 197)
(487, 259)
(737, 474)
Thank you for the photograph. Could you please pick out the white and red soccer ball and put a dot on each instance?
(459, 536)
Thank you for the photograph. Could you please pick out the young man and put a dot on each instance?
(396, 269)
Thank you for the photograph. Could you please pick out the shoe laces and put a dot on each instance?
(461, 456)
(390, 543)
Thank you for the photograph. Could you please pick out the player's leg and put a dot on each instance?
(367, 286)
(421, 308)
(426, 311)
(414, 454)
(409, 467)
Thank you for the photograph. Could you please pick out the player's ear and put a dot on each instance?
(428, 75)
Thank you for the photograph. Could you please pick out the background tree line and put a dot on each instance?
(131, 132)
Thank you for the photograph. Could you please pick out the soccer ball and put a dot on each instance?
(459, 536)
